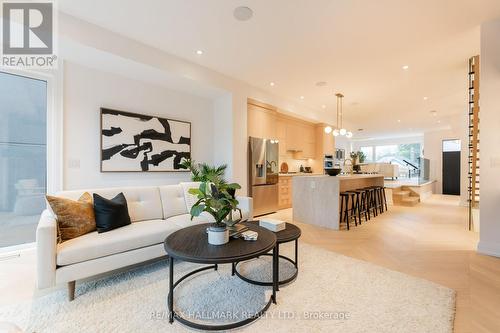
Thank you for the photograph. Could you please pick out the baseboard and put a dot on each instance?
(491, 249)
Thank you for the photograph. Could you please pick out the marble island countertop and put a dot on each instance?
(294, 174)
(344, 177)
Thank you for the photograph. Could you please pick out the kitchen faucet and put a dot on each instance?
(350, 161)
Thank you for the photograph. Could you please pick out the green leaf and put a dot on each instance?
(194, 191)
(203, 187)
(197, 210)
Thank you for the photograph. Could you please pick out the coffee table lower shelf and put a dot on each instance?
(270, 283)
(206, 327)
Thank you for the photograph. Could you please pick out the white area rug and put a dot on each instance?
(332, 293)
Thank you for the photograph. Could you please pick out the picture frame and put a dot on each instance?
(133, 142)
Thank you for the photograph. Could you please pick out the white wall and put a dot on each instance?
(341, 142)
(489, 234)
(433, 150)
(86, 90)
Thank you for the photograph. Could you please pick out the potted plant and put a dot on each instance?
(354, 161)
(361, 157)
(215, 197)
(357, 156)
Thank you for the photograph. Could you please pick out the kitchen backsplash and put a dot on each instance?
(294, 165)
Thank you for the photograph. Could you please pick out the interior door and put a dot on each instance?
(451, 167)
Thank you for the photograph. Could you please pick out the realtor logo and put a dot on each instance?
(28, 34)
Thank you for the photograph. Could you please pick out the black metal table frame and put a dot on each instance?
(172, 285)
(234, 269)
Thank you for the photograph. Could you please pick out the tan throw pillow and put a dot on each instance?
(74, 218)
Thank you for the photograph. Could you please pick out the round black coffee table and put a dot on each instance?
(290, 233)
(191, 244)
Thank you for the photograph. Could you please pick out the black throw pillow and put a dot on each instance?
(110, 214)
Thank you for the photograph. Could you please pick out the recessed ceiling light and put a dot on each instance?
(321, 83)
(301, 97)
(439, 121)
(243, 13)
(405, 67)
(323, 106)
(271, 84)
(426, 98)
(399, 120)
(199, 52)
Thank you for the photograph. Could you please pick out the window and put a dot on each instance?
(398, 153)
(410, 152)
(368, 151)
(452, 145)
(23, 157)
(385, 153)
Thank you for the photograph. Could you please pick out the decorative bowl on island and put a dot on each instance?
(333, 171)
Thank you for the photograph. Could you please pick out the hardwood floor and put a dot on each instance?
(430, 241)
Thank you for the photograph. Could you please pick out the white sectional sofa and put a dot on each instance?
(155, 212)
(387, 169)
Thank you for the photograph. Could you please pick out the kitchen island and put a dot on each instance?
(316, 199)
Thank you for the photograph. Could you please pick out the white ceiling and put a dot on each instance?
(357, 46)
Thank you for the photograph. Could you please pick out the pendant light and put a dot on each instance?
(339, 128)
(340, 115)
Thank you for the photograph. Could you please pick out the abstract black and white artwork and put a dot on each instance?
(136, 142)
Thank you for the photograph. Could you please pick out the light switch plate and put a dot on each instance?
(73, 163)
(313, 185)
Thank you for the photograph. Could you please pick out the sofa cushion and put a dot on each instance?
(172, 199)
(184, 220)
(132, 236)
(110, 213)
(188, 197)
(74, 218)
(245, 215)
(144, 203)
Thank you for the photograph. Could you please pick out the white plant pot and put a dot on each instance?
(218, 235)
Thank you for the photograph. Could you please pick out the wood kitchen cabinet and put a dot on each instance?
(293, 137)
(285, 192)
(281, 134)
(297, 138)
(261, 122)
(306, 143)
(281, 129)
(309, 150)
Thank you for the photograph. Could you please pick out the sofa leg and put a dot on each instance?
(71, 290)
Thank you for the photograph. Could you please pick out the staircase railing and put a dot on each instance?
(473, 147)
(415, 170)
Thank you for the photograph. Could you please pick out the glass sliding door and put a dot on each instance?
(23, 157)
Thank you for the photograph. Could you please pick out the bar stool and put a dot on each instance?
(362, 204)
(346, 212)
(381, 198)
(378, 201)
(371, 201)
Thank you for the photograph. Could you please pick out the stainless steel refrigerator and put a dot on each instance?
(264, 173)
